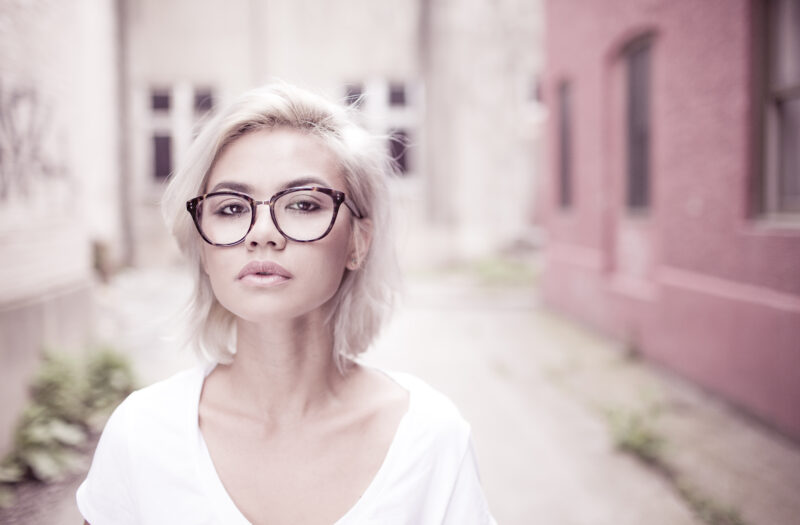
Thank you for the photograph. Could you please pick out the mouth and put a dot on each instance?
(263, 273)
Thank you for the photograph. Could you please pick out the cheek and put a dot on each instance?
(327, 267)
(211, 261)
(217, 268)
(323, 268)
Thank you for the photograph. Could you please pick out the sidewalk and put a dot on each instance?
(540, 393)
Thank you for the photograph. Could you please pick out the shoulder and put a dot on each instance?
(433, 415)
(163, 408)
(176, 385)
(148, 443)
(432, 447)
(167, 395)
(431, 402)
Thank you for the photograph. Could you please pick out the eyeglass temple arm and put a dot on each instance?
(353, 209)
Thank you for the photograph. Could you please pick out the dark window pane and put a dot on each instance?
(785, 31)
(203, 100)
(162, 156)
(564, 145)
(354, 93)
(159, 100)
(397, 94)
(398, 148)
(535, 90)
(638, 140)
(789, 160)
(782, 124)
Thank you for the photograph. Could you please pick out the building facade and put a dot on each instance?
(99, 100)
(672, 196)
(58, 181)
(458, 108)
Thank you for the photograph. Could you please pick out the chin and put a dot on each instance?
(270, 312)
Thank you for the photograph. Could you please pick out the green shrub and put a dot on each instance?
(69, 399)
(109, 380)
(59, 388)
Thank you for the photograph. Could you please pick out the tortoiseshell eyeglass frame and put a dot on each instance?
(338, 197)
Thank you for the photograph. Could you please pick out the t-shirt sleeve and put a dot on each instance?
(467, 504)
(106, 496)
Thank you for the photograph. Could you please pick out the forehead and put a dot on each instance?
(269, 160)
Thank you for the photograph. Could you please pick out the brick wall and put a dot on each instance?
(699, 283)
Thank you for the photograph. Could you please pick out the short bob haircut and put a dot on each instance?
(366, 295)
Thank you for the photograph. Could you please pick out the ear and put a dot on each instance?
(360, 243)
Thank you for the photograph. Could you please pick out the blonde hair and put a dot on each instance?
(365, 296)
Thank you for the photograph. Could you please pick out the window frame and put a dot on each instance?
(766, 192)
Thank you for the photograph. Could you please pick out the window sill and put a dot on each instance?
(775, 224)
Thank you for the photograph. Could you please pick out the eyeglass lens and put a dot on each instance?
(301, 215)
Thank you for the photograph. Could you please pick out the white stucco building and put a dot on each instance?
(58, 179)
(99, 100)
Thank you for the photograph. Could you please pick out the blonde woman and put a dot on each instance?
(282, 210)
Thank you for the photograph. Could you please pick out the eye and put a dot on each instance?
(229, 207)
(303, 206)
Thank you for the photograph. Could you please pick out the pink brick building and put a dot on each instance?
(671, 198)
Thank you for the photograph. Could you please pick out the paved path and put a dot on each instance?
(544, 457)
(534, 387)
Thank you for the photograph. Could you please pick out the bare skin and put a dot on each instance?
(305, 464)
(293, 441)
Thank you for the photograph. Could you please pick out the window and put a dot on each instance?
(564, 145)
(354, 93)
(397, 94)
(159, 100)
(398, 149)
(781, 112)
(203, 100)
(162, 156)
(637, 57)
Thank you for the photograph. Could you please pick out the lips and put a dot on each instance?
(257, 270)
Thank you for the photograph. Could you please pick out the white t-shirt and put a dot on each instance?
(152, 466)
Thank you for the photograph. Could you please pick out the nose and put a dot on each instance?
(264, 232)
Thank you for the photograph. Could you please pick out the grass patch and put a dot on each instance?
(708, 510)
(496, 271)
(634, 433)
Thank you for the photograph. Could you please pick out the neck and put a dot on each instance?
(284, 370)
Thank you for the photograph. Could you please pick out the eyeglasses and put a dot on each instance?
(304, 214)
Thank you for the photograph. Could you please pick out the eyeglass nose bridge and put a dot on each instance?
(270, 203)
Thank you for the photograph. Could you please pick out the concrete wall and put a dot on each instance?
(482, 61)
(700, 283)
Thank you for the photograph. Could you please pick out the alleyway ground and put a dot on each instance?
(537, 390)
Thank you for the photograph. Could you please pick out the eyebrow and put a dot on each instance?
(305, 181)
(246, 188)
(234, 186)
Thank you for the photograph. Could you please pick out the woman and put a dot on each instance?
(282, 209)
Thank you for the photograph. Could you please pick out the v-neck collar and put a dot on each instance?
(224, 506)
